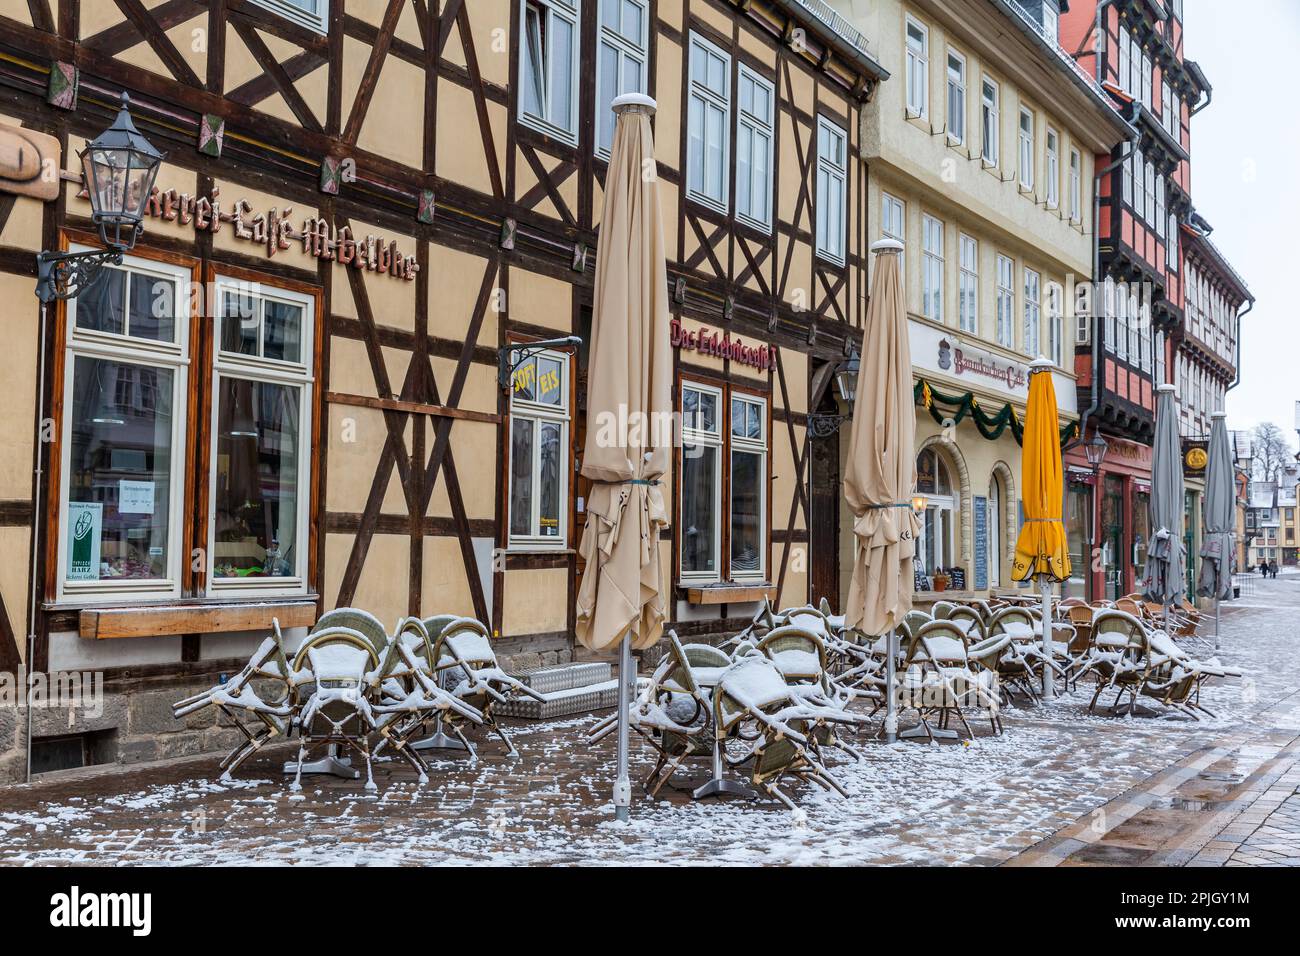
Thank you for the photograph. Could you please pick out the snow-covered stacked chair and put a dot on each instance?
(1022, 662)
(1117, 658)
(271, 707)
(1174, 678)
(945, 672)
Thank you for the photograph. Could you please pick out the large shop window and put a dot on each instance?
(539, 452)
(720, 426)
(937, 545)
(261, 423)
(127, 414)
(548, 64)
(622, 54)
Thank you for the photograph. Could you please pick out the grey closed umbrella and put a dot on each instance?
(1215, 578)
(1163, 581)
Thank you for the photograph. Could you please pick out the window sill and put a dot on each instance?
(728, 593)
(195, 617)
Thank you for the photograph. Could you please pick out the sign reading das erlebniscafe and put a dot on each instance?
(275, 231)
(722, 345)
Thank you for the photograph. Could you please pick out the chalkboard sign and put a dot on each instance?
(981, 542)
(920, 582)
(957, 579)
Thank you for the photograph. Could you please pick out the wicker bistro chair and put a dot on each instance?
(1174, 678)
(801, 657)
(753, 704)
(964, 612)
(363, 622)
(944, 672)
(239, 699)
(467, 667)
(333, 686)
(1118, 656)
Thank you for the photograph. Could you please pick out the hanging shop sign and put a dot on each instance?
(1196, 455)
(275, 231)
(721, 345)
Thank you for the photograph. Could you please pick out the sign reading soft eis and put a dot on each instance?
(720, 344)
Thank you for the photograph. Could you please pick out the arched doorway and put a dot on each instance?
(937, 547)
(996, 540)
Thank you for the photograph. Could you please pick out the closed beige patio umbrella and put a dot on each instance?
(881, 474)
(629, 416)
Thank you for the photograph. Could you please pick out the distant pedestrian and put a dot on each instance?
(1272, 568)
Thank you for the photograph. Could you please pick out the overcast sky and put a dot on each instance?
(1245, 146)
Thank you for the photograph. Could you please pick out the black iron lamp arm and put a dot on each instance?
(63, 275)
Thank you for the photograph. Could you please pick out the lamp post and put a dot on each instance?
(118, 168)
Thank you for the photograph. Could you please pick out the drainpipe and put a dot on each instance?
(1236, 379)
(30, 660)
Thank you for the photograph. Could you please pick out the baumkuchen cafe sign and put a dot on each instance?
(275, 231)
(721, 345)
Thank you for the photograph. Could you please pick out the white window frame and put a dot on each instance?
(932, 267)
(1053, 141)
(1006, 302)
(1033, 286)
(757, 127)
(625, 49)
(968, 287)
(1121, 322)
(540, 413)
(1171, 243)
(714, 439)
(300, 375)
(700, 95)
(830, 229)
(1056, 323)
(990, 121)
(889, 206)
(1025, 156)
(955, 89)
(749, 446)
(569, 11)
(918, 69)
(174, 357)
(1076, 185)
(317, 19)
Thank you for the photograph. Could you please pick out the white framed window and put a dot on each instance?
(1160, 207)
(701, 491)
(1124, 67)
(1056, 323)
(1033, 313)
(548, 64)
(932, 268)
(312, 14)
(708, 124)
(1137, 323)
(1076, 186)
(990, 130)
(1160, 358)
(622, 52)
(1149, 209)
(968, 291)
(747, 496)
(1121, 322)
(539, 452)
(756, 118)
(936, 545)
(1171, 246)
(1026, 149)
(262, 381)
(918, 68)
(1147, 78)
(956, 97)
(1110, 307)
(1006, 302)
(122, 436)
(893, 225)
(832, 183)
(1053, 169)
(1128, 182)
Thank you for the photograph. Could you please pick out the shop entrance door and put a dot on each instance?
(824, 504)
(1113, 558)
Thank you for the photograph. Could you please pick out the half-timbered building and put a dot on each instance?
(289, 396)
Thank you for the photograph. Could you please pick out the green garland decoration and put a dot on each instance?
(944, 408)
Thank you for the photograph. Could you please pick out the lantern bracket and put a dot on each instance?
(64, 275)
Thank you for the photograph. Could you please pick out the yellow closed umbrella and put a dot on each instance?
(1041, 549)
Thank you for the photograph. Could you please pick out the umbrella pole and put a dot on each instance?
(622, 783)
(891, 698)
(1216, 622)
(1045, 586)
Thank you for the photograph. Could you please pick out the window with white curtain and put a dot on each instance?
(755, 119)
(932, 268)
(918, 68)
(956, 97)
(1033, 313)
(548, 64)
(1053, 169)
(708, 124)
(1026, 149)
(832, 189)
(1076, 186)
(990, 131)
(968, 291)
(1006, 302)
(622, 52)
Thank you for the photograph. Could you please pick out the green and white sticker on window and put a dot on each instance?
(85, 520)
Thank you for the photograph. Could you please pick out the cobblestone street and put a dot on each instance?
(1059, 787)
